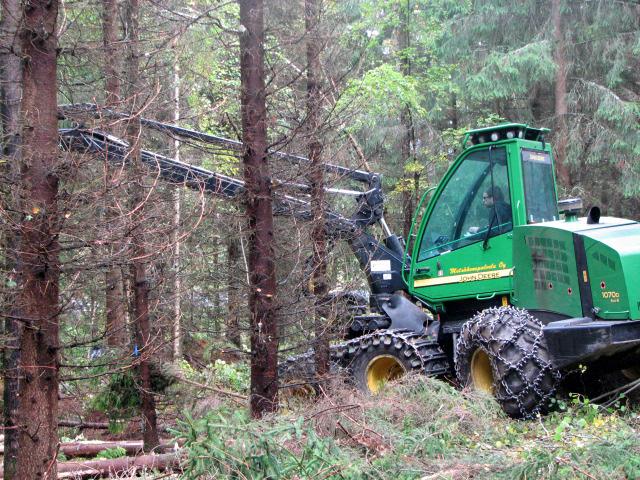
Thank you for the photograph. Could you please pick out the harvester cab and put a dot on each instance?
(462, 257)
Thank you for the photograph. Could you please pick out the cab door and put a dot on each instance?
(464, 245)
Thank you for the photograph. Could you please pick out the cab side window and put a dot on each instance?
(475, 199)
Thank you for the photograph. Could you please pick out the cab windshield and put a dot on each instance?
(475, 199)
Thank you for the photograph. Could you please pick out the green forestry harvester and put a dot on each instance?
(492, 283)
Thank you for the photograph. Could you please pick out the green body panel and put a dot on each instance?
(547, 277)
(545, 273)
(613, 256)
(470, 272)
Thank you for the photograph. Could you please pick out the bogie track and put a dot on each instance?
(406, 349)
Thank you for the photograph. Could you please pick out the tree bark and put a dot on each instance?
(115, 305)
(318, 286)
(139, 254)
(262, 276)
(35, 303)
(561, 136)
(111, 57)
(11, 96)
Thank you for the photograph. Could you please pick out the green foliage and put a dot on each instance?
(507, 64)
(383, 91)
(618, 458)
(110, 453)
(229, 445)
(120, 398)
(505, 75)
(233, 375)
(609, 136)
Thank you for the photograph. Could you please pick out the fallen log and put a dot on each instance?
(104, 468)
(91, 448)
(81, 424)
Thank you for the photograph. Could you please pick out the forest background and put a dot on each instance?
(397, 84)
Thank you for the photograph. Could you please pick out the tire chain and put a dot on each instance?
(423, 353)
(488, 325)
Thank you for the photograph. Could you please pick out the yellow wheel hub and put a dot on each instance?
(481, 373)
(382, 369)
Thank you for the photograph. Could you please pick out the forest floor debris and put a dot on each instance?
(417, 428)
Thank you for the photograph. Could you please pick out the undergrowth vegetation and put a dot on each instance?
(417, 428)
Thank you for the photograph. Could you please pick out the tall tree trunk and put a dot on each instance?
(560, 95)
(35, 303)
(411, 179)
(262, 275)
(177, 283)
(316, 178)
(115, 305)
(139, 253)
(10, 98)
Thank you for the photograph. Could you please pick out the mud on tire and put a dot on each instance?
(522, 376)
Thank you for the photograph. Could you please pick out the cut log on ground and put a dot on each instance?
(104, 468)
(81, 424)
(92, 448)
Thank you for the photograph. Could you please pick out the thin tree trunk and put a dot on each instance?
(232, 328)
(11, 96)
(411, 180)
(37, 258)
(560, 95)
(177, 283)
(316, 178)
(111, 57)
(262, 276)
(115, 305)
(138, 264)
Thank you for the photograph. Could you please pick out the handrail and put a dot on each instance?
(413, 222)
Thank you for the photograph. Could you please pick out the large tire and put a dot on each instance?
(502, 351)
(371, 360)
(385, 355)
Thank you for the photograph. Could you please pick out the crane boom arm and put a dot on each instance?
(197, 178)
(388, 256)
